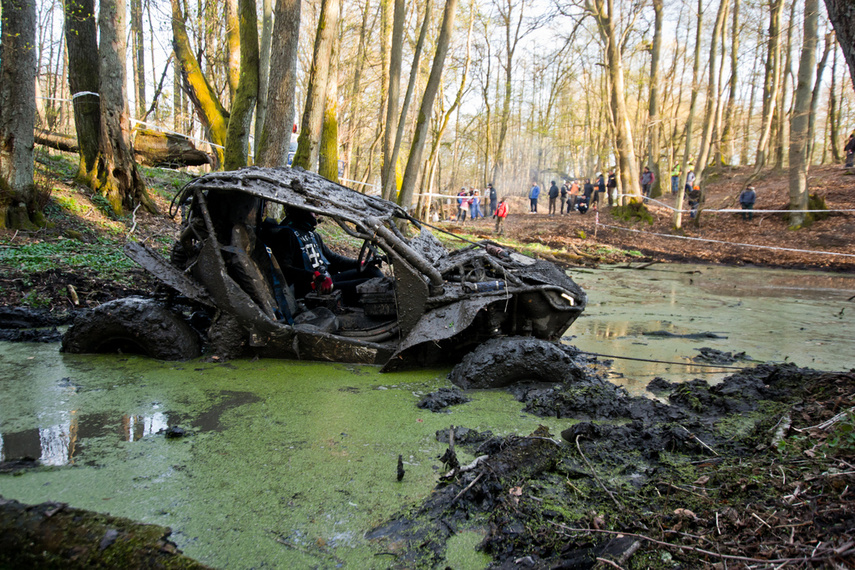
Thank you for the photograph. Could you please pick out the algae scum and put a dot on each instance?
(290, 464)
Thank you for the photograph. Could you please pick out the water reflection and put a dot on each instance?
(771, 315)
(59, 444)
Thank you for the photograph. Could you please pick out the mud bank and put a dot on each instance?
(751, 470)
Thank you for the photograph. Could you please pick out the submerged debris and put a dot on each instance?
(441, 399)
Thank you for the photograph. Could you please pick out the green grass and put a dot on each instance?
(105, 256)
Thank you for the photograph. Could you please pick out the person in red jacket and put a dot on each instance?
(501, 214)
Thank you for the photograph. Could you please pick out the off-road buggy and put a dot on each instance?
(224, 295)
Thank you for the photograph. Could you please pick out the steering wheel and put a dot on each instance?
(368, 255)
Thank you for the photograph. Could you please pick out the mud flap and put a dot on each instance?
(439, 324)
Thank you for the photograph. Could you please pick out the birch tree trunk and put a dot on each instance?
(17, 113)
(800, 126)
(313, 112)
(118, 179)
(727, 132)
(411, 173)
(81, 36)
(275, 142)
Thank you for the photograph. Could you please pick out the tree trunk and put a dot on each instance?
(233, 46)
(834, 114)
(423, 121)
(842, 16)
(387, 173)
(801, 117)
(696, 71)
(390, 188)
(653, 103)
(604, 12)
(81, 36)
(712, 94)
(816, 94)
(313, 112)
(275, 142)
(770, 84)
(138, 56)
(263, 71)
(240, 121)
(729, 128)
(210, 111)
(17, 114)
(328, 157)
(118, 179)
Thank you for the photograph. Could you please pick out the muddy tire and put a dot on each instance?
(132, 325)
(500, 362)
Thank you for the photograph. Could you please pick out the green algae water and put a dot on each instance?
(288, 464)
(771, 315)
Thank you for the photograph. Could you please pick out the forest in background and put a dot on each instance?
(454, 93)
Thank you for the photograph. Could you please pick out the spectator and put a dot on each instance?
(501, 214)
(553, 198)
(694, 200)
(574, 195)
(462, 205)
(646, 182)
(533, 195)
(565, 188)
(611, 185)
(493, 201)
(675, 177)
(584, 201)
(850, 151)
(475, 205)
(690, 179)
(601, 188)
(747, 199)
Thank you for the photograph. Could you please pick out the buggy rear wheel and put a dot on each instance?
(132, 325)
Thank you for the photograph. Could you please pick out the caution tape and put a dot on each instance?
(769, 247)
(729, 210)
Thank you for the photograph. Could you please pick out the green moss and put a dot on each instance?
(633, 212)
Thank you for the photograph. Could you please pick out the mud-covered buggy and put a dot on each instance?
(225, 295)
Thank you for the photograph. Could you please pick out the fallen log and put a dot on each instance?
(54, 535)
(152, 148)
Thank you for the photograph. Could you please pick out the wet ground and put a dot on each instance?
(289, 464)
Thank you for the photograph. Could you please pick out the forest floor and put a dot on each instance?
(724, 238)
(756, 473)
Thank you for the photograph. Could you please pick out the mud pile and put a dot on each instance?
(716, 473)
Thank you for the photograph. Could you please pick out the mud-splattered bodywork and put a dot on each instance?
(438, 304)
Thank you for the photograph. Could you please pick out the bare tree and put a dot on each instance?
(842, 16)
(275, 141)
(118, 179)
(653, 102)
(243, 103)
(313, 112)
(411, 173)
(81, 36)
(17, 113)
(800, 126)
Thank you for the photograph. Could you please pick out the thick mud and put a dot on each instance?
(642, 468)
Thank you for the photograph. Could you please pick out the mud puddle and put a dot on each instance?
(670, 312)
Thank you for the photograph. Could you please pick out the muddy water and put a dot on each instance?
(288, 464)
(770, 315)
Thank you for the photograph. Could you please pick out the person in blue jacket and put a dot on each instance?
(533, 195)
